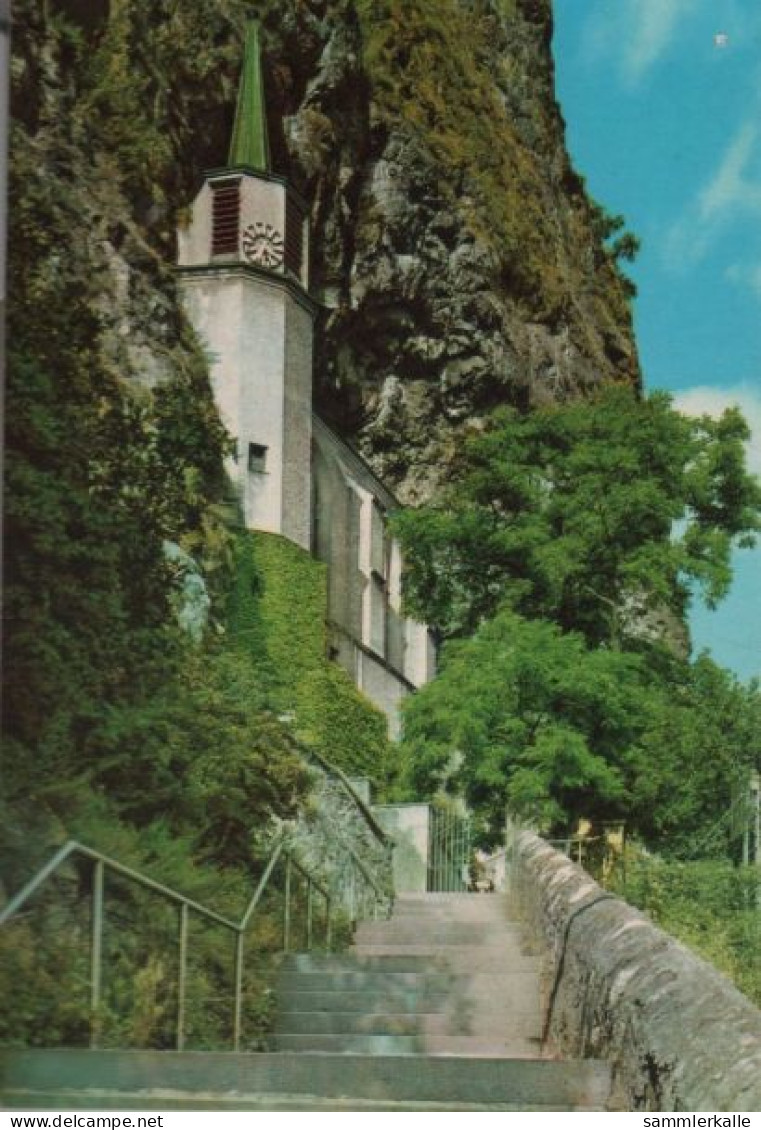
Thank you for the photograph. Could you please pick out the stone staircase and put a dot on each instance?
(435, 1009)
(445, 976)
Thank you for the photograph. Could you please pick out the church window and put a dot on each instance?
(378, 615)
(257, 458)
(225, 216)
(378, 544)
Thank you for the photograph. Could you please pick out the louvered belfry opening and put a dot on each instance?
(225, 216)
(294, 236)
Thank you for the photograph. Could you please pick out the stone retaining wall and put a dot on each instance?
(678, 1035)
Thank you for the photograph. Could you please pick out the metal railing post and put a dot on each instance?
(96, 951)
(238, 1007)
(182, 972)
(309, 914)
(287, 908)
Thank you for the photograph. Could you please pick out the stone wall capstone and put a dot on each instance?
(678, 1035)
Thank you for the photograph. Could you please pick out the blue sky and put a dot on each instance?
(662, 100)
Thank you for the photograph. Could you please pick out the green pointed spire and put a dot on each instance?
(250, 142)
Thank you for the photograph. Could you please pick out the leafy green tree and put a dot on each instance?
(694, 759)
(625, 245)
(522, 714)
(587, 514)
(527, 717)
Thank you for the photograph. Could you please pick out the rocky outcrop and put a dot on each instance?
(457, 256)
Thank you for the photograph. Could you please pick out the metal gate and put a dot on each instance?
(449, 848)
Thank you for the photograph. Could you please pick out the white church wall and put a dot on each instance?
(297, 425)
(387, 654)
(384, 687)
(336, 539)
(242, 322)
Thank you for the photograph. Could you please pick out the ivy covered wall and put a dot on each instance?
(276, 614)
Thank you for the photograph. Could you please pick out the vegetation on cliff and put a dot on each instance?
(119, 729)
(434, 70)
(480, 272)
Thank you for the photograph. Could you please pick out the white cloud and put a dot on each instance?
(708, 400)
(733, 185)
(732, 193)
(654, 23)
(637, 32)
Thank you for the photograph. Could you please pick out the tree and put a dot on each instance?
(585, 514)
(626, 245)
(526, 716)
(693, 762)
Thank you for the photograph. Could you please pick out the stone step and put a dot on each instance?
(444, 1080)
(173, 1101)
(488, 956)
(351, 1000)
(357, 1043)
(446, 934)
(494, 912)
(496, 989)
(505, 984)
(353, 961)
(372, 1023)
(409, 920)
(364, 981)
(457, 906)
(447, 898)
(463, 902)
(503, 1030)
(433, 923)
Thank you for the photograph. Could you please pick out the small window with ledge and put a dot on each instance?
(257, 458)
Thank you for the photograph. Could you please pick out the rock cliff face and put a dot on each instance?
(457, 256)
(459, 262)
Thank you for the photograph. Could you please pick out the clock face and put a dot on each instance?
(262, 244)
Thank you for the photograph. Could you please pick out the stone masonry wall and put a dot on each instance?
(677, 1034)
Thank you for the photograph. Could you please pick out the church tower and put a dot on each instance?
(244, 273)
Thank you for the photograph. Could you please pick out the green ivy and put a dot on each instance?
(276, 614)
(432, 71)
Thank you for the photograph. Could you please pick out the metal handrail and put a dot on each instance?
(72, 847)
(186, 905)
